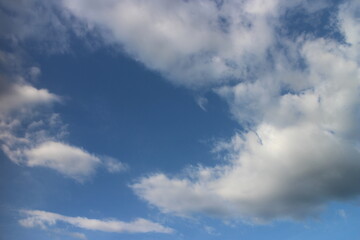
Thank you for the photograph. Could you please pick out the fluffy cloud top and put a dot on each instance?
(277, 173)
(191, 42)
(42, 219)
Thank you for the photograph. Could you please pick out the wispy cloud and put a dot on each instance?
(31, 134)
(202, 102)
(342, 213)
(44, 220)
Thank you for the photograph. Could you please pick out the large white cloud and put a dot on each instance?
(300, 148)
(277, 173)
(44, 220)
(191, 42)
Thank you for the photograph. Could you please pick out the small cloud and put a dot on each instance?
(34, 73)
(113, 165)
(210, 230)
(77, 235)
(63, 232)
(202, 103)
(20, 96)
(71, 161)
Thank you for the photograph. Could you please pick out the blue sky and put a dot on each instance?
(179, 119)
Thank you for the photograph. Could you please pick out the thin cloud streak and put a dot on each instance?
(44, 220)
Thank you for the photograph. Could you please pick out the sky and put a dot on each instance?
(202, 119)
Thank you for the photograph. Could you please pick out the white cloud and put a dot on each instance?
(300, 149)
(194, 43)
(31, 135)
(68, 160)
(278, 173)
(191, 42)
(113, 165)
(202, 102)
(42, 219)
(23, 96)
(349, 18)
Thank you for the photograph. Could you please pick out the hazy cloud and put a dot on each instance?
(44, 220)
(342, 213)
(202, 102)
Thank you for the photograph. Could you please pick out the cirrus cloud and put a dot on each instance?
(44, 220)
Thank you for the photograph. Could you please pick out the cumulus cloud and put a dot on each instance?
(31, 134)
(300, 147)
(66, 159)
(25, 95)
(278, 173)
(44, 220)
(349, 22)
(71, 161)
(191, 42)
(296, 95)
(194, 43)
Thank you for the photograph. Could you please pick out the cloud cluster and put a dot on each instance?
(44, 220)
(296, 94)
(300, 149)
(31, 134)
